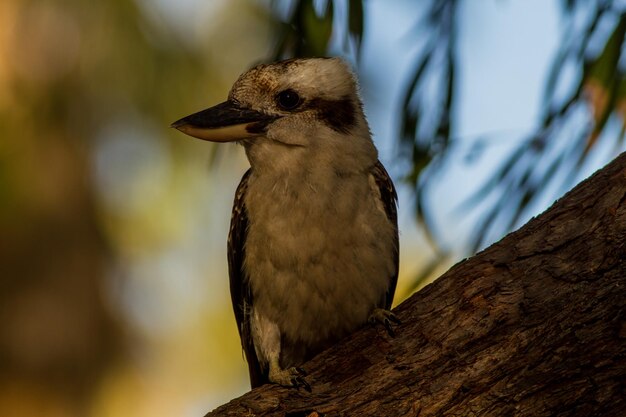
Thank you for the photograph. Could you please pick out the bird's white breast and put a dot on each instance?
(319, 252)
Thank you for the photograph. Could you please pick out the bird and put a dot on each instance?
(313, 246)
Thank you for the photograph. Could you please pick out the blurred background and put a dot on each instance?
(113, 279)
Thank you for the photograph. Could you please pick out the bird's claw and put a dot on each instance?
(291, 377)
(384, 317)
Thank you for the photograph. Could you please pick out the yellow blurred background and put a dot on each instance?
(114, 296)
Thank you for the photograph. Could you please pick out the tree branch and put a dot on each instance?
(534, 325)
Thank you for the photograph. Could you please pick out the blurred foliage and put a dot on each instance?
(596, 94)
(89, 178)
(551, 152)
(307, 32)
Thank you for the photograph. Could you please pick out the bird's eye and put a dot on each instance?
(288, 100)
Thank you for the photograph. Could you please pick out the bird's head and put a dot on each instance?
(296, 107)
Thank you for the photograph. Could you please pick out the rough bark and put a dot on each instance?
(535, 325)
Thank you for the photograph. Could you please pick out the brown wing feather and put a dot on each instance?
(240, 291)
(389, 199)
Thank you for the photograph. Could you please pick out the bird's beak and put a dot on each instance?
(225, 122)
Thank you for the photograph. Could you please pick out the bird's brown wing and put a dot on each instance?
(240, 291)
(389, 199)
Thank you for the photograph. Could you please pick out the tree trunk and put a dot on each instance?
(535, 325)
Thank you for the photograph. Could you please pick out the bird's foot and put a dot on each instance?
(290, 377)
(384, 317)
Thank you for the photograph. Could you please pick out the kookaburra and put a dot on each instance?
(313, 241)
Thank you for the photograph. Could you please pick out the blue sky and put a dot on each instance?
(505, 48)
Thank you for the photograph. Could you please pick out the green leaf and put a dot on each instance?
(355, 21)
(604, 67)
(317, 30)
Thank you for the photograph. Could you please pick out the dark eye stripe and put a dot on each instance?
(339, 115)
